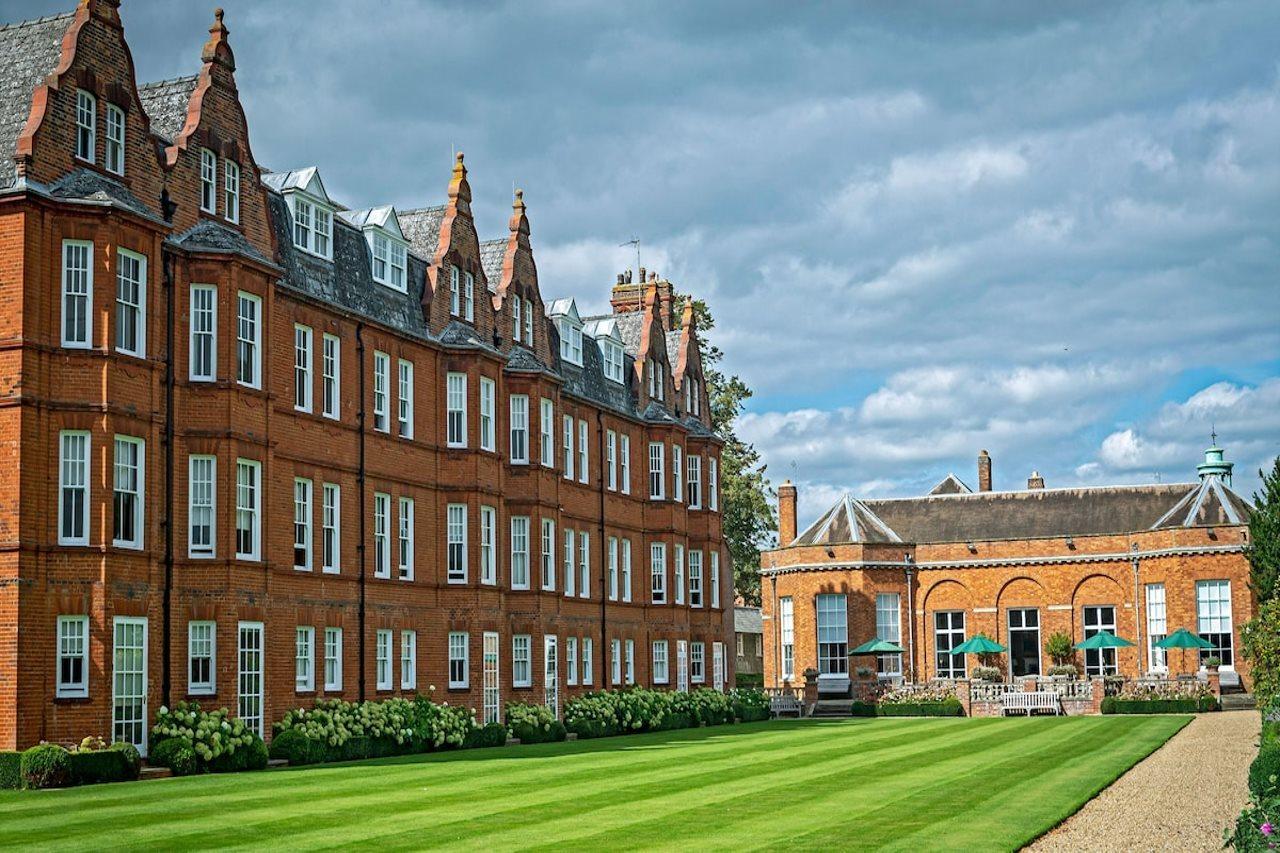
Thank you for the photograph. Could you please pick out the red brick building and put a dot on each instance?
(261, 447)
(929, 572)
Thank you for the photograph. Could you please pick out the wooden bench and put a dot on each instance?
(785, 703)
(1030, 702)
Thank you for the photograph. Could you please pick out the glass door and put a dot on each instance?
(492, 694)
(129, 682)
(682, 666)
(552, 679)
(249, 676)
(1099, 661)
(1024, 642)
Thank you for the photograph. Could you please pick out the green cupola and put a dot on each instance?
(1214, 465)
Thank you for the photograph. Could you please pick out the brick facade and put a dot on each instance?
(154, 210)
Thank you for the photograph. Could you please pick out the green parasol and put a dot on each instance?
(1104, 640)
(1183, 639)
(979, 645)
(877, 647)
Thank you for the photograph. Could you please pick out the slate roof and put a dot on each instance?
(421, 228)
(1030, 514)
(951, 485)
(209, 236)
(491, 252)
(630, 327)
(89, 185)
(29, 52)
(747, 620)
(165, 102)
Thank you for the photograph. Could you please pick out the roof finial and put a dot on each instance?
(217, 13)
(1213, 434)
(216, 49)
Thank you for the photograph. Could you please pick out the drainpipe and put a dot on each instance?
(605, 648)
(777, 635)
(911, 613)
(166, 678)
(1137, 617)
(360, 417)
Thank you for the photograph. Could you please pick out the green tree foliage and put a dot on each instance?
(746, 497)
(1261, 647)
(1058, 647)
(1264, 537)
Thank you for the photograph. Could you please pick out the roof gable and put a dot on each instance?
(951, 485)
(306, 179)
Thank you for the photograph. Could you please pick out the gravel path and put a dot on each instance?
(1149, 807)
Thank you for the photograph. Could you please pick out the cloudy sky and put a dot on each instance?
(1047, 230)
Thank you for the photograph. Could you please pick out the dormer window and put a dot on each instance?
(455, 291)
(612, 354)
(231, 190)
(692, 399)
(657, 385)
(312, 227)
(515, 319)
(208, 181)
(114, 158)
(570, 341)
(528, 323)
(389, 260)
(469, 297)
(86, 125)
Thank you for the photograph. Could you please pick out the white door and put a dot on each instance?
(129, 682)
(717, 655)
(551, 677)
(492, 692)
(249, 680)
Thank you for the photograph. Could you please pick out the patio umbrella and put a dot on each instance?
(877, 647)
(979, 645)
(1104, 640)
(1183, 639)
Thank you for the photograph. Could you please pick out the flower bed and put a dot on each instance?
(334, 730)
(191, 740)
(639, 709)
(532, 723)
(920, 701)
(1168, 697)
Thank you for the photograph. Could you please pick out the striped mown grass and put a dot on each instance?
(903, 783)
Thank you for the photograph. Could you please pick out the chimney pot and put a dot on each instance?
(786, 514)
(1035, 481)
(984, 471)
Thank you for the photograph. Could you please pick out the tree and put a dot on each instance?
(1264, 537)
(1260, 645)
(746, 498)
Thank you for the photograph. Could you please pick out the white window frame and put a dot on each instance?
(515, 319)
(612, 354)
(677, 468)
(208, 181)
(73, 476)
(528, 323)
(661, 664)
(657, 471)
(571, 661)
(203, 330)
(304, 659)
(86, 144)
(456, 410)
(615, 661)
(682, 666)
(695, 578)
(787, 636)
(134, 304)
(202, 501)
(626, 569)
(519, 552)
(207, 646)
(331, 528)
(333, 659)
(547, 430)
(138, 491)
(456, 539)
(381, 535)
(698, 662)
(491, 687)
(568, 447)
(889, 627)
(113, 154)
(693, 464)
(331, 375)
(488, 412)
(381, 391)
(72, 644)
(570, 575)
(1157, 626)
(252, 342)
(584, 564)
(584, 453)
(302, 523)
(302, 337)
(408, 659)
(77, 292)
(231, 190)
(250, 511)
(548, 554)
(1215, 616)
(404, 538)
(404, 398)
(629, 659)
(713, 484)
(522, 660)
(658, 573)
(488, 545)
(551, 673)
(312, 226)
(612, 552)
(519, 445)
(459, 666)
(383, 678)
(611, 460)
(247, 708)
(714, 573)
(469, 296)
(624, 462)
(455, 295)
(588, 661)
(677, 572)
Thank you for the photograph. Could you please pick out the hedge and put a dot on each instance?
(1263, 770)
(45, 766)
(631, 710)
(118, 763)
(10, 769)
(946, 708)
(334, 730)
(1189, 705)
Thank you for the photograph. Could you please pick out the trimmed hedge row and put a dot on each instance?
(946, 708)
(631, 710)
(48, 765)
(10, 769)
(1117, 705)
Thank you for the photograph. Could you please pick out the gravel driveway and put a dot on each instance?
(1149, 808)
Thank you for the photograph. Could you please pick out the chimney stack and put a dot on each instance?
(984, 471)
(1035, 481)
(786, 514)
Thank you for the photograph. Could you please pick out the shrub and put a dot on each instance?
(1260, 645)
(296, 748)
(1270, 734)
(95, 761)
(863, 671)
(491, 734)
(174, 753)
(132, 757)
(210, 735)
(1067, 669)
(1255, 827)
(344, 731)
(45, 766)
(748, 679)
(532, 723)
(750, 706)
(988, 673)
(949, 707)
(1264, 772)
(1058, 646)
(10, 769)
(863, 709)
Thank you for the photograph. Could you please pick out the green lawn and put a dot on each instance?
(870, 783)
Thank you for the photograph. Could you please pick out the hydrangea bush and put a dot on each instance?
(533, 723)
(639, 709)
(210, 735)
(337, 730)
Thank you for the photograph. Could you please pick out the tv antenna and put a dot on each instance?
(635, 241)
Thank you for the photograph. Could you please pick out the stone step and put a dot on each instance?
(149, 772)
(1238, 702)
(277, 762)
